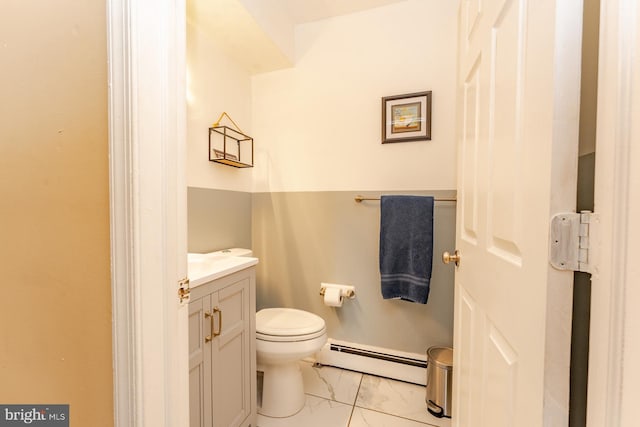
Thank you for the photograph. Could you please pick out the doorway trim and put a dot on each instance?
(616, 239)
(147, 122)
(146, 53)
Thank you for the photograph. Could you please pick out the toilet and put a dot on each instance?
(284, 336)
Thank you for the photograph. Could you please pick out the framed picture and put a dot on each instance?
(406, 117)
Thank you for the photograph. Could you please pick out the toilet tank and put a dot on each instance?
(235, 252)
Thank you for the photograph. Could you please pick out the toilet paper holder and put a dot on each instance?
(346, 291)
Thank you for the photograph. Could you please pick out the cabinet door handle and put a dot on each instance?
(209, 316)
(217, 310)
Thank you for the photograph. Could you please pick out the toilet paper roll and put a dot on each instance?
(332, 297)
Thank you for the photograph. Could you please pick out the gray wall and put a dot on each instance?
(581, 307)
(218, 219)
(586, 172)
(305, 238)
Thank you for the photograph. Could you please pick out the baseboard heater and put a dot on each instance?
(409, 367)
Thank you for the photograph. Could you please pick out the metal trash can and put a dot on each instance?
(439, 381)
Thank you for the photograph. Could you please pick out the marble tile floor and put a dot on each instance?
(342, 398)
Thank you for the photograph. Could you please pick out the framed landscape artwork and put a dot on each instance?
(406, 117)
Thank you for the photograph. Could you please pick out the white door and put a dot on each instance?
(519, 79)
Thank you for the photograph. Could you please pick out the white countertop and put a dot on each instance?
(204, 268)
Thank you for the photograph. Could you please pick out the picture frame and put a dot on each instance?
(406, 117)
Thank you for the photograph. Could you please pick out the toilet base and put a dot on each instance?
(282, 389)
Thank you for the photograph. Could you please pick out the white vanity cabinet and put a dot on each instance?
(222, 361)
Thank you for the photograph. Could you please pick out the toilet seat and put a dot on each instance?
(288, 325)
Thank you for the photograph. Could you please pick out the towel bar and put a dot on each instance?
(360, 199)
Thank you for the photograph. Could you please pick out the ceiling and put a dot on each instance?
(302, 11)
(242, 38)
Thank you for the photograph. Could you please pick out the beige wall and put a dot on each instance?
(317, 126)
(215, 83)
(55, 304)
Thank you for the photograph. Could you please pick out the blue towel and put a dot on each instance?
(406, 247)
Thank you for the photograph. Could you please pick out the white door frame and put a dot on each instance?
(147, 118)
(146, 52)
(613, 354)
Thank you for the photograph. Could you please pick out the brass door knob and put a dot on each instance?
(455, 258)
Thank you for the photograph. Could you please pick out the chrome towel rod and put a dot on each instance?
(360, 199)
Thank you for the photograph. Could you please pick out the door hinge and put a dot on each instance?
(569, 243)
(183, 290)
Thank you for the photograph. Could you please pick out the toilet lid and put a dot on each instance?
(287, 322)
